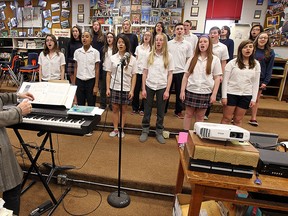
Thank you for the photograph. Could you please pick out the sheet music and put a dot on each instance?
(50, 93)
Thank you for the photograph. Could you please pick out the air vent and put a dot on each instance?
(205, 132)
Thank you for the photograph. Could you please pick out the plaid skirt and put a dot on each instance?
(201, 101)
(70, 68)
(116, 95)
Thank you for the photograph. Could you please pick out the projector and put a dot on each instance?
(222, 132)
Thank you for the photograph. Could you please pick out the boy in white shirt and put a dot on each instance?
(190, 37)
(181, 50)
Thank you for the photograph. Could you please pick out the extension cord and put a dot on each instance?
(42, 208)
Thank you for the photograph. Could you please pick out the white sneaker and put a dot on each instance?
(122, 135)
(205, 118)
(113, 133)
(89, 134)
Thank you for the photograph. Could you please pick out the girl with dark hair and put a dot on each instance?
(224, 38)
(255, 31)
(240, 84)
(98, 43)
(265, 55)
(51, 61)
(200, 82)
(159, 28)
(74, 43)
(113, 81)
(86, 76)
(108, 50)
(98, 36)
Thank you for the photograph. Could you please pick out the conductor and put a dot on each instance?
(10, 171)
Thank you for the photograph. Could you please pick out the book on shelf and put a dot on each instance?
(13, 33)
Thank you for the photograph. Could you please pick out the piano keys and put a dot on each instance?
(58, 121)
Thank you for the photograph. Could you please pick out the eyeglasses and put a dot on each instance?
(49, 40)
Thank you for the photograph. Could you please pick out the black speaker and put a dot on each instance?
(63, 45)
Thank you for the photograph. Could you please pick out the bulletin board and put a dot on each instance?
(276, 22)
(47, 14)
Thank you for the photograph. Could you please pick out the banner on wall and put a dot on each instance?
(61, 32)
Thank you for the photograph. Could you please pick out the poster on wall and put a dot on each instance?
(276, 22)
(239, 32)
(29, 17)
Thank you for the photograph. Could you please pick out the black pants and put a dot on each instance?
(177, 81)
(84, 92)
(102, 83)
(136, 100)
(12, 199)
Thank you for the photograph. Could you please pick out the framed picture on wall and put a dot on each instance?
(259, 2)
(194, 11)
(255, 23)
(195, 2)
(194, 24)
(80, 8)
(135, 2)
(80, 18)
(257, 14)
(273, 21)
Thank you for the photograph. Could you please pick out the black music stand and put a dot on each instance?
(119, 199)
(34, 167)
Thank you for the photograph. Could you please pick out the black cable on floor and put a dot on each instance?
(87, 193)
(96, 142)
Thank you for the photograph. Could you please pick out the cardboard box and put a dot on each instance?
(221, 151)
(181, 206)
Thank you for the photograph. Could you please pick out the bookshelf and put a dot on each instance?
(276, 86)
(21, 44)
(28, 43)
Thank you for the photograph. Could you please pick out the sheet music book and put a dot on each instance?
(85, 110)
(50, 93)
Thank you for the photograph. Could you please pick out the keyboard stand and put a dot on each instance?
(34, 167)
(53, 168)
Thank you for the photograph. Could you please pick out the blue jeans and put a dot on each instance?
(148, 104)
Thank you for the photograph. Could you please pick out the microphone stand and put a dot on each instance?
(119, 199)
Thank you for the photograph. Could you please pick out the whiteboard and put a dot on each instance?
(239, 32)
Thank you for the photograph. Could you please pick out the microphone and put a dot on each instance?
(124, 58)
